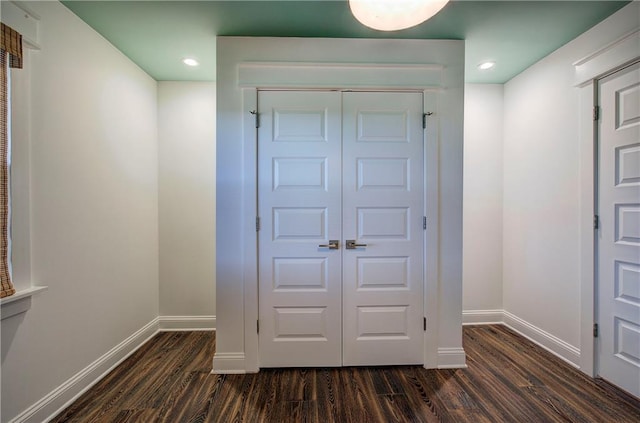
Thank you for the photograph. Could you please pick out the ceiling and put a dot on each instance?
(157, 35)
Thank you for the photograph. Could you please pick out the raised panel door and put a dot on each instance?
(382, 187)
(299, 201)
(337, 167)
(618, 239)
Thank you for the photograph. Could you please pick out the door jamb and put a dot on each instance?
(250, 198)
(431, 237)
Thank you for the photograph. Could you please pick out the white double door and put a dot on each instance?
(337, 169)
(618, 241)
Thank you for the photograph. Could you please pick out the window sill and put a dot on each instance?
(19, 302)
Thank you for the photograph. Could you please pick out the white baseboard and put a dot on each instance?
(190, 323)
(228, 363)
(234, 363)
(61, 397)
(451, 358)
(549, 342)
(482, 317)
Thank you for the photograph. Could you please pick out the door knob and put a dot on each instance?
(333, 244)
(352, 245)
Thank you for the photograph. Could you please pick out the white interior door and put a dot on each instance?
(335, 167)
(299, 201)
(619, 233)
(382, 186)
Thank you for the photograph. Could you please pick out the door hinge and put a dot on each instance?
(256, 117)
(258, 326)
(424, 222)
(424, 324)
(257, 223)
(595, 330)
(424, 119)
(596, 222)
(596, 112)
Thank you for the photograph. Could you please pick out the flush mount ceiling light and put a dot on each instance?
(486, 65)
(190, 61)
(393, 15)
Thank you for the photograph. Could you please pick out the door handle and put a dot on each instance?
(352, 245)
(333, 244)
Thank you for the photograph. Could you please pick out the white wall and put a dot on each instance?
(187, 154)
(482, 212)
(542, 184)
(94, 224)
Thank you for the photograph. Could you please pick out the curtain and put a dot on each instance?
(10, 56)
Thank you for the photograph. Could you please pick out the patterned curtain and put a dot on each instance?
(10, 56)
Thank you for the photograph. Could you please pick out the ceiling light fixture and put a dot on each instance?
(190, 62)
(486, 65)
(393, 15)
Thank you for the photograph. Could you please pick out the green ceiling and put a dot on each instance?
(158, 34)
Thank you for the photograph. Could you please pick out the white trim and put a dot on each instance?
(338, 75)
(186, 323)
(612, 55)
(549, 342)
(431, 249)
(19, 302)
(451, 358)
(23, 294)
(249, 235)
(587, 238)
(229, 364)
(542, 338)
(482, 317)
(61, 397)
(24, 20)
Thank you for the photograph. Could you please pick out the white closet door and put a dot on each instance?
(299, 198)
(383, 211)
(328, 177)
(619, 234)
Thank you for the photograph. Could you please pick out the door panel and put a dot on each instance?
(619, 236)
(300, 306)
(382, 207)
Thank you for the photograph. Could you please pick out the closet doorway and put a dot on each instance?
(341, 228)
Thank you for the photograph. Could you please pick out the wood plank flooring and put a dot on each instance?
(509, 379)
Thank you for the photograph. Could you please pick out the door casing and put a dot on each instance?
(598, 221)
(601, 62)
(431, 237)
(245, 64)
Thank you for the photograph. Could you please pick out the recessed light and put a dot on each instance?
(486, 65)
(190, 62)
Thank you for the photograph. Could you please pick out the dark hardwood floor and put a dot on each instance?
(509, 379)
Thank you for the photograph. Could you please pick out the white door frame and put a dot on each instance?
(588, 71)
(250, 139)
(435, 67)
(613, 137)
